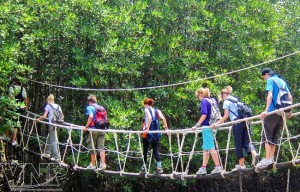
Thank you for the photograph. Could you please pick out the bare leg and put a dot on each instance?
(102, 156)
(205, 158)
(93, 159)
(15, 135)
(242, 161)
(268, 151)
(214, 156)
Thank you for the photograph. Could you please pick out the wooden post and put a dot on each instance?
(241, 183)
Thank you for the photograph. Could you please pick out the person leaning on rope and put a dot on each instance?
(240, 132)
(17, 91)
(95, 138)
(207, 134)
(148, 105)
(52, 140)
(273, 122)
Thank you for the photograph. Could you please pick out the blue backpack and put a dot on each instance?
(153, 137)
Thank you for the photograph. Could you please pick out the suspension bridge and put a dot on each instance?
(179, 157)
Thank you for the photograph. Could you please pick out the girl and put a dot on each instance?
(208, 145)
(52, 140)
(240, 132)
(151, 114)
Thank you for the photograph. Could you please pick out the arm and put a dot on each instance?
(269, 101)
(224, 118)
(162, 117)
(200, 121)
(89, 120)
(44, 116)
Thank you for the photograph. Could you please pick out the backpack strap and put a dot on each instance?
(235, 102)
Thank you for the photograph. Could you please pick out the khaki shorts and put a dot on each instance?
(98, 139)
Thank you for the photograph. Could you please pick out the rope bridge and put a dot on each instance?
(178, 157)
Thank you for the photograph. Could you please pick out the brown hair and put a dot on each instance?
(92, 98)
(149, 101)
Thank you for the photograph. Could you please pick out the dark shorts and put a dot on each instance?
(272, 126)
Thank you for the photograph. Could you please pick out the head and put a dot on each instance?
(225, 93)
(16, 81)
(148, 102)
(92, 99)
(50, 99)
(267, 73)
(202, 93)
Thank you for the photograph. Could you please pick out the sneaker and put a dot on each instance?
(265, 162)
(91, 166)
(255, 160)
(14, 143)
(143, 170)
(158, 171)
(201, 171)
(55, 159)
(102, 167)
(216, 170)
(46, 155)
(238, 167)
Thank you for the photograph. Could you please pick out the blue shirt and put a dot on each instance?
(231, 107)
(90, 110)
(272, 86)
(205, 109)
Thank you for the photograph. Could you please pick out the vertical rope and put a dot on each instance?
(288, 135)
(288, 181)
(142, 154)
(80, 143)
(33, 123)
(126, 155)
(117, 148)
(217, 151)
(227, 147)
(191, 154)
(171, 154)
(180, 145)
(279, 146)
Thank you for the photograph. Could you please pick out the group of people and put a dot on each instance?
(272, 125)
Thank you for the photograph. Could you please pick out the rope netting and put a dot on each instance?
(124, 147)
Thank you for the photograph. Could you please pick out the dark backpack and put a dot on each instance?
(154, 126)
(19, 97)
(282, 100)
(58, 116)
(100, 121)
(215, 114)
(243, 109)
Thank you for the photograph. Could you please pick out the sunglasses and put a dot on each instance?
(224, 93)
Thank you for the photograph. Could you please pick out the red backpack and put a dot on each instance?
(101, 120)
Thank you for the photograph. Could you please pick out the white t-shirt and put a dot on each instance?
(153, 115)
(15, 89)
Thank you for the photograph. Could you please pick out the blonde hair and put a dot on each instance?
(50, 98)
(204, 91)
(227, 89)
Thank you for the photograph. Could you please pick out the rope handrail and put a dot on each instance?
(187, 130)
(168, 85)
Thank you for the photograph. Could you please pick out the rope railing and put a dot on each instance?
(168, 85)
(124, 155)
